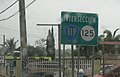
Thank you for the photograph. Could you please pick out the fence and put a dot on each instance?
(84, 63)
(51, 67)
(38, 66)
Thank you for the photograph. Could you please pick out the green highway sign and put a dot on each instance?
(79, 28)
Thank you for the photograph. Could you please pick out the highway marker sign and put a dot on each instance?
(79, 28)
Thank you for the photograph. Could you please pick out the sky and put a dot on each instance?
(49, 11)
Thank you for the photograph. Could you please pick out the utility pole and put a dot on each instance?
(3, 40)
(4, 46)
(23, 38)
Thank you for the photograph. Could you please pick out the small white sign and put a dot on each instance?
(87, 33)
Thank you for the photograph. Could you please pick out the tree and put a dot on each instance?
(117, 38)
(30, 51)
(3, 50)
(50, 44)
(84, 51)
(100, 39)
(36, 51)
(40, 51)
(11, 45)
(108, 36)
(117, 47)
(40, 42)
(40, 48)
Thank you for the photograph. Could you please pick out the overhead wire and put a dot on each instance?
(7, 28)
(9, 7)
(17, 11)
(15, 14)
(30, 34)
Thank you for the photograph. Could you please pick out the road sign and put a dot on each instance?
(79, 28)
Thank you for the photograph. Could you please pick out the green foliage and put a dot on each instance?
(31, 50)
(108, 36)
(109, 49)
(11, 45)
(87, 50)
(36, 51)
(84, 51)
(117, 38)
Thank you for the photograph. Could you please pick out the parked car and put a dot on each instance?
(105, 67)
(113, 71)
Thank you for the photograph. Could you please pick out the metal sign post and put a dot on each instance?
(63, 60)
(93, 61)
(72, 48)
(78, 64)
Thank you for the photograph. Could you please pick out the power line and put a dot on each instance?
(8, 7)
(7, 28)
(9, 17)
(30, 34)
(17, 12)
